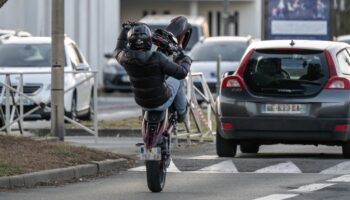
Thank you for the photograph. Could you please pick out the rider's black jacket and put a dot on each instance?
(147, 71)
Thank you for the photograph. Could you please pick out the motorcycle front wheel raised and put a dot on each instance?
(156, 174)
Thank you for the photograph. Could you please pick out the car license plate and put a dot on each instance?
(285, 108)
(126, 78)
(150, 154)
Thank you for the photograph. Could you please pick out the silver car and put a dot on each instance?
(205, 54)
(293, 92)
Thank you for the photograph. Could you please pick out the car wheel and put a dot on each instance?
(225, 147)
(73, 113)
(346, 149)
(249, 148)
(91, 113)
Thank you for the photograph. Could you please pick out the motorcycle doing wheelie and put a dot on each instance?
(158, 126)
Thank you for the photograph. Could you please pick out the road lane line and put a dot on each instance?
(287, 167)
(172, 167)
(138, 169)
(341, 168)
(222, 167)
(345, 178)
(277, 197)
(312, 187)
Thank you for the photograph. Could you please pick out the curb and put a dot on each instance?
(62, 174)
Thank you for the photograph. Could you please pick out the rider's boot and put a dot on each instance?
(181, 116)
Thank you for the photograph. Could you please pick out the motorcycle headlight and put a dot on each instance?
(110, 69)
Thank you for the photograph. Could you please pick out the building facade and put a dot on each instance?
(250, 12)
(93, 24)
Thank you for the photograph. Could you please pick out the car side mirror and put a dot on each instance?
(229, 73)
(108, 55)
(82, 67)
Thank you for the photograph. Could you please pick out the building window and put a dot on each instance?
(145, 13)
(210, 22)
(218, 23)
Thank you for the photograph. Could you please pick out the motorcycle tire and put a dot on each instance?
(156, 174)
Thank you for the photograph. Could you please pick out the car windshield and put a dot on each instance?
(193, 40)
(25, 55)
(209, 51)
(346, 41)
(294, 73)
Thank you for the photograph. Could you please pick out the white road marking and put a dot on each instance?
(172, 168)
(287, 167)
(341, 168)
(138, 169)
(345, 178)
(312, 187)
(222, 167)
(277, 197)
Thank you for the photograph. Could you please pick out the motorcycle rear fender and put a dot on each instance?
(153, 126)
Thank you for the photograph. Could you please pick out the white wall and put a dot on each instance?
(93, 24)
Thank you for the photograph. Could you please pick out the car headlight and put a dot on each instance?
(110, 69)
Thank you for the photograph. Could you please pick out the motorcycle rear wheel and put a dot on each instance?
(156, 174)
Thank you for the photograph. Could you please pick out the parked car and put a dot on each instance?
(344, 38)
(33, 54)
(115, 76)
(205, 55)
(293, 92)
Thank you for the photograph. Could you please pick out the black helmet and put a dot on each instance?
(181, 29)
(140, 37)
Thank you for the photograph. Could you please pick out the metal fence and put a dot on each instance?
(13, 99)
(196, 112)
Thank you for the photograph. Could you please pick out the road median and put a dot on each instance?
(27, 162)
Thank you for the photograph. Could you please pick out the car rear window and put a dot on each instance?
(286, 72)
(25, 55)
(209, 51)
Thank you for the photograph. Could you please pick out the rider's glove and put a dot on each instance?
(183, 59)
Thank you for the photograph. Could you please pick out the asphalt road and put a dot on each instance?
(277, 172)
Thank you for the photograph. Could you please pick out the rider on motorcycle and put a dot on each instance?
(156, 80)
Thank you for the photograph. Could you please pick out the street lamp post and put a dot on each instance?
(57, 70)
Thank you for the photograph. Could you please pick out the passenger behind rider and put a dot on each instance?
(156, 80)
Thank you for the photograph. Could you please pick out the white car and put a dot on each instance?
(205, 55)
(344, 38)
(33, 54)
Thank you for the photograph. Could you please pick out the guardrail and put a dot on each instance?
(196, 112)
(13, 97)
